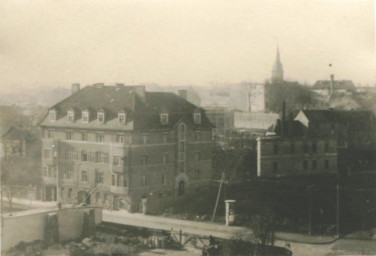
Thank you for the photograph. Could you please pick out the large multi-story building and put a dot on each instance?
(287, 150)
(115, 145)
(354, 131)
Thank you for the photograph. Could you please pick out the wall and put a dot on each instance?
(29, 225)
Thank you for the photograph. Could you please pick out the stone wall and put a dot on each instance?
(28, 226)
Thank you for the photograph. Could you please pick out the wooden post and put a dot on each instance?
(219, 193)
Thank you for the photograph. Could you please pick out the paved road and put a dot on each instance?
(300, 245)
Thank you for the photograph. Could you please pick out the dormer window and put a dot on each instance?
(197, 118)
(122, 116)
(52, 115)
(164, 118)
(100, 116)
(85, 116)
(70, 115)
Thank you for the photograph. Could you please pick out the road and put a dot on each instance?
(301, 245)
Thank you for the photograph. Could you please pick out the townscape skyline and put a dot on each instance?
(54, 44)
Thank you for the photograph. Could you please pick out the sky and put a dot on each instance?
(52, 43)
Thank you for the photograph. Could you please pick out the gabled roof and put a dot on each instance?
(292, 128)
(14, 133)
(338, 85)
(142, 109)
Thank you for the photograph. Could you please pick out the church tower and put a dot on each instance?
(277, 72)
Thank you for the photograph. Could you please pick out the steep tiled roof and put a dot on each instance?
(292, 128)
(142, 109)
(361, 119)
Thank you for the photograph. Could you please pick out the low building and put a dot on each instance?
(223, 120)
(115, 145)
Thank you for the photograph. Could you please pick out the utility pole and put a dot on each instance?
(219, 193)
(337, 214)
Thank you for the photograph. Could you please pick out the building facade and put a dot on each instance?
(113, 146)
(354, 131)
(282, 156)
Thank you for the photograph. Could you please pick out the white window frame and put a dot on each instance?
(121, 118)
(100, 117)
(70, 115)
(164, 118)
(197, 118)
(52, 115)
(85, 116)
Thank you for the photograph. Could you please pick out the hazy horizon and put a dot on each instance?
(166, 42)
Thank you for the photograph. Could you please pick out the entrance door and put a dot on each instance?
(181, 188)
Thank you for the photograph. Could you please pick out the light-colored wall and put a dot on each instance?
(29, 225)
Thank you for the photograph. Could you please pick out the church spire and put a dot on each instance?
(277, 72)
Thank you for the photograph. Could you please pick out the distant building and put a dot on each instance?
(254, 121)
(277, 72)
(20, 142)
(223, 120)
(116, 145)
(354, 131)
(328, 87)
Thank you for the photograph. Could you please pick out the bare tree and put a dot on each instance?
(262, 226)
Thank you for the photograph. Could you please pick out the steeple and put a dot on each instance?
(277, 72)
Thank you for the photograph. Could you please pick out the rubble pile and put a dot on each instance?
(118, 242)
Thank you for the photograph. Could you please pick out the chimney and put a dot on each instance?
(331, 84)
(283, 118)
(183, 94)
(140, 91)
(75, 88)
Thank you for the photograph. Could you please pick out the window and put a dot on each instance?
(69, 192)
(113, 183)
(165, 137)
(305, 148)
(144, 160)
(52, 115)
(69, 173)
(314, 147)
(120, 138)
(164, 118)
(145, 139)
(97, 196)
(85, 116)
(51, 134)
(275, 149)
(197, 174)
(326, 147)
(275, 166)
(100, 137)
(125, 182)
(143, 181)
(181, 167)
(182, 146)
(45, 172)
(314, 164)
(84, 156)
(198, 156)
(164, 179)
(99, 176)
(70, 116)
(68, 135)
(305, 164)
(197, 136)
(326, 163)
(182, 131)
(84, 136)
(84, 177)
(100, 117)
(47, 153)
(116, 160)
(165, 158)
(121, 118)
(292, 148)
(197, 118)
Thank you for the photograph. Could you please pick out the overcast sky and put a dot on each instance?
(56, 43)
